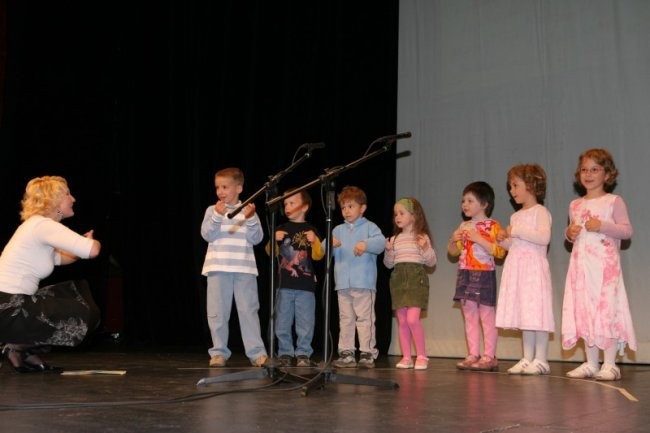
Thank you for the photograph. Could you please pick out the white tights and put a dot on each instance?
(609, 354)
(535, 345)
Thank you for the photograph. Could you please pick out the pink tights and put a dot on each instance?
(477, 316)
(408, 322)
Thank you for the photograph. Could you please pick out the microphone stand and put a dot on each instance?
(326, 374)
(269, 369)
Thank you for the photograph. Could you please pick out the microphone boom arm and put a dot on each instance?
(332, 173)
(268, 185)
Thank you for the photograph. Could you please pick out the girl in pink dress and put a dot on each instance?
(595, 307)
(526, 293)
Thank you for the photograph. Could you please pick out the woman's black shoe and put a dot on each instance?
(24, 366)
(42, 368)
(4, 356)
(39, 367)
(25, 369)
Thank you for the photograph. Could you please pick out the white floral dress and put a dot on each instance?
(595, 304)
(525, 293)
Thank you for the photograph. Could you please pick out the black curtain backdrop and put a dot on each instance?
(3, 52)
(138, 106)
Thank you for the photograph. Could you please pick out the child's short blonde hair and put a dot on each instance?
(232, 172)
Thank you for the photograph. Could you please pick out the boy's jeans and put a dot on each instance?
(301, 305)
(222, 287)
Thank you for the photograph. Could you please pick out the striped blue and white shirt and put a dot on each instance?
(230, 241)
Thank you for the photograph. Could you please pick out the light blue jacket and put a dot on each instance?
(357, 272)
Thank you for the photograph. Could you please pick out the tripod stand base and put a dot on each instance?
(268, 370)
(232, 377)
(327, 375)
(318, 380)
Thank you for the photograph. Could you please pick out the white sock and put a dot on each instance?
(541, 345)
(592, 353)
(528, 339)
(609, 354)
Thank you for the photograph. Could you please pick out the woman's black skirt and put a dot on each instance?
(58, 315)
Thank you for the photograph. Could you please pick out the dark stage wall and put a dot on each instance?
(138, 106)
(3, 52)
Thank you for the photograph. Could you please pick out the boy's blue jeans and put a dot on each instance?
(222, 288)
(301, 306)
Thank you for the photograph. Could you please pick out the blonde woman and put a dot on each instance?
(33, 318)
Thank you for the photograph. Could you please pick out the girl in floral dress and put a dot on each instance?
(595, 307)
(526, 294)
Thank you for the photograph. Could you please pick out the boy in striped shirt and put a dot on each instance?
(231, 269)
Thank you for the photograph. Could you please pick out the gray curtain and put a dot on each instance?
(485, 85)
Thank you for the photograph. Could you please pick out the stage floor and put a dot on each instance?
(160, 392)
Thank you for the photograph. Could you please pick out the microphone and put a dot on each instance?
(391, 138)
(312, 146)
(403, 154)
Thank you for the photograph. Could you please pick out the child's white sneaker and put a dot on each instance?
(608, 372)
(585, 370)
(519, 367)
(537, 368)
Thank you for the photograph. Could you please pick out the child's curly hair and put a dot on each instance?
(603, 158)
(352, 193)
(533, 176)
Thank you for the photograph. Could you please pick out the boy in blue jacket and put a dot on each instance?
(356, 244)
